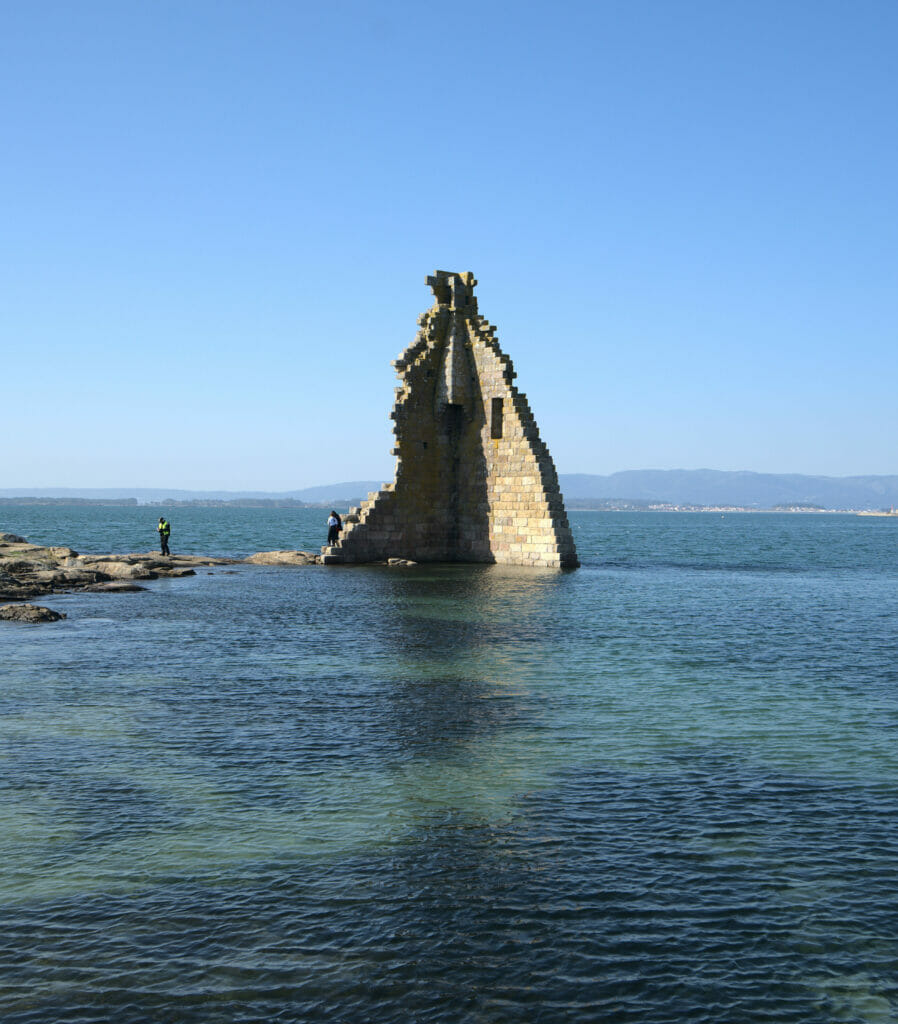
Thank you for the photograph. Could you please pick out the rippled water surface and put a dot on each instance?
(662, 788)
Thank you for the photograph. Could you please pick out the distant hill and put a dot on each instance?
(342, 493)
(752, 490)
(347, 492)
(674, 486)
(144, 495)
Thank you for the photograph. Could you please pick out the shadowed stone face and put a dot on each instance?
(474, 482)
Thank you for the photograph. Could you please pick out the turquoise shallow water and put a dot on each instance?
(662, 788)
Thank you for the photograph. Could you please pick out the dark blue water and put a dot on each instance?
(662, 788)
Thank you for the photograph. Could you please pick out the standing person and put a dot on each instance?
(334, 526)
(164, 529)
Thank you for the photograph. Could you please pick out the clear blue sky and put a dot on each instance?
(217, 218)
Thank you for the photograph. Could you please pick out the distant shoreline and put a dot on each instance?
(172, 502)
(630, 490)
(574, 505)
(748, 509)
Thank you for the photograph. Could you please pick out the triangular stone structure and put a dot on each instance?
(474, 482)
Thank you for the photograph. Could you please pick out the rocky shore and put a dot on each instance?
(30, 571)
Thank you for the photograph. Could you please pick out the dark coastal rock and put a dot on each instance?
(12, 538)
(115, 587)
(22, 593)
(14, 588)
(21, 566)
(29, 613)
(176, 571)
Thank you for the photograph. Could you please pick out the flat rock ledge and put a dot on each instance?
(29, 613)
(115, 587)
(331, 556)
(31, 570)
(284, 558)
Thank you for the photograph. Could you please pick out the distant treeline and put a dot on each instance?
(170, 502)
(636, 505)
(606, 504)
(233, 503)
(68, 501)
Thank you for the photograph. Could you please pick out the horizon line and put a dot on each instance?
(258, 491)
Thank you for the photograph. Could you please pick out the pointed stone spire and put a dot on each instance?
(474, 482)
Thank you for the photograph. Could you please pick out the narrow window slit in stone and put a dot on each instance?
(496, 419)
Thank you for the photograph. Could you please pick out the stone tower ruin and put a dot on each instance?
(474, 481)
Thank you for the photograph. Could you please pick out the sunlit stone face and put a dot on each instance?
(474, 481)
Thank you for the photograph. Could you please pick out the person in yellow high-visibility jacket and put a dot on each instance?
(164, 529)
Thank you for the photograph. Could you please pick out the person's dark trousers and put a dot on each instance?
(163, 540)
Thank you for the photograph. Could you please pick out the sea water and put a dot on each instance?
(661, 788)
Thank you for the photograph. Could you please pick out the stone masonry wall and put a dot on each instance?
(474, 481)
